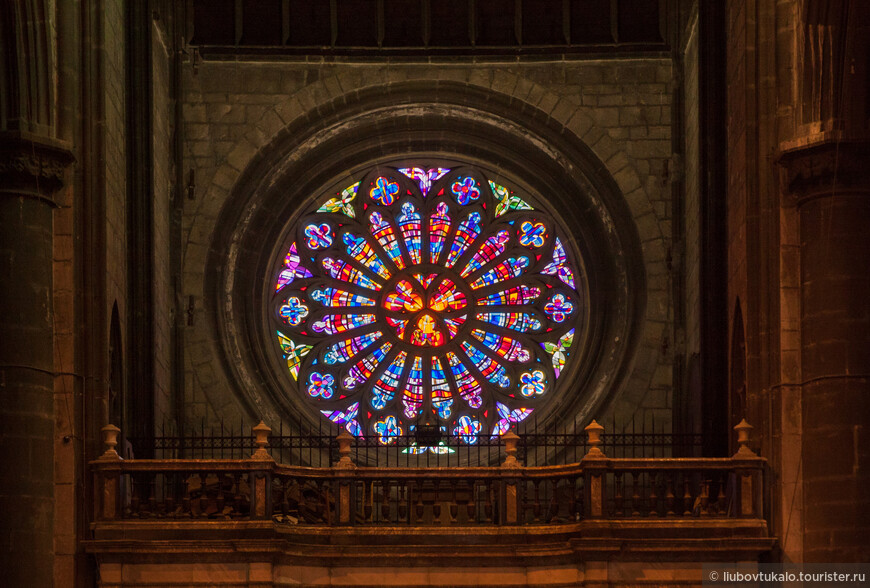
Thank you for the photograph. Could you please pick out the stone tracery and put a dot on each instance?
(426, 294)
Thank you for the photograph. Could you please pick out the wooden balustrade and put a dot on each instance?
(596, 488)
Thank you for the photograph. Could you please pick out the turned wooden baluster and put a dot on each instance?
(368, 500)
(436, 505)
(204, 498)
(419, 506)
(618, 500)
(324, 489)
(151, 510)
(720, 499)
(471, 504)
(669, 494)
(536, 509)
(203, 495)
(572, 498)
(322, 501)
(687, 497)
(233, 494)
(185, 497)
(653, 497)
(220, 496)
(385, 500)
(635, 494)
(285, 500)
(553, 511)
(454, 507)
(134, 497)
(487, 505)
(705, 498)
(403, 495)
(579, 498)
(169, 497)
(243, 501)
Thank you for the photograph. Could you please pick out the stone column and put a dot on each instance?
(31, 171)
(831, 184)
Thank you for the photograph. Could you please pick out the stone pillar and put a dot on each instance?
(31, 171)
(831, 184)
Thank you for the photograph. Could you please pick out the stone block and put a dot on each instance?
(626, 177)
(638, 132)
(605, 147)
(254, 112)
(523, 88)
(194, 113)
(602, 89)
(480, 76)
(535, 94)
(225, 113)
(548, 102)
(564, 110)
(584, 76)
(306, 99)
(239, 157)
(606, 117)
(332, 86)
(610, 100)
(504, 83)
(619, 133)
(289, 110)
(196, 131)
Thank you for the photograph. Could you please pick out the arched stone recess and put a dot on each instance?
(263, 186)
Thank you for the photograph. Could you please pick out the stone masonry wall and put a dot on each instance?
(621, 108)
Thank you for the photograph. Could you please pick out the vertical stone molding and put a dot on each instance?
(31, 171)
(28, 53)
(832, 189)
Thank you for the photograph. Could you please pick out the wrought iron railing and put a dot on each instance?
(317, 447)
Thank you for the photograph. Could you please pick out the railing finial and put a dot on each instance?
(110, 440)
(510, 448)
(743, 434)
(344, 440)
(261, 440)
(593, 439)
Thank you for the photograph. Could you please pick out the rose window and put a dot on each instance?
(430, 296)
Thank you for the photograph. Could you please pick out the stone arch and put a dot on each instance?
(526, 98)
(322, 148)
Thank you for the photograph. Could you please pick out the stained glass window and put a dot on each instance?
(427, 294)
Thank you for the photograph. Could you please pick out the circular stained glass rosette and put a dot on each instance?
(427, 295)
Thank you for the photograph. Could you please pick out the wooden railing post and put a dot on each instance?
(261, 496)
(107, 479)
(345, 465)
(594, 466)
(511, 498)
(344, 440)
(261, 440)
(748, 478)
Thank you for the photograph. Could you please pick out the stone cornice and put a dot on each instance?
(825, 168)
(32, 166)
(640, 539)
